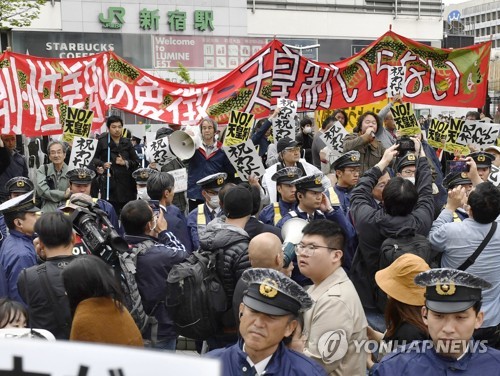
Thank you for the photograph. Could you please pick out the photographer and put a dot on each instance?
(41, 287)
(405, 206)
(162, 251)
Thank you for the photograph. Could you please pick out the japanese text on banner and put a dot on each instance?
(454, 130)
(78, 123)
(396, 80)
(284, 123)
(158, 151)
(245, 159)
(334, 138)
(239, 127)
(82, 152)
(438, 130)
(180, 176)
(405, 119)
(478, 134)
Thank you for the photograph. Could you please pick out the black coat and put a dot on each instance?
(255, 227)
(122, 184)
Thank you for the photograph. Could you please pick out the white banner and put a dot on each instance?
(494, 176)
(284, 123)
(66, 358)
(395, 81)
(159, 152)
(82, 152)
(478, 134)
(181, 179)
(245, 159)
(334, 137)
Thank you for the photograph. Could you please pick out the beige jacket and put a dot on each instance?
(338, 311)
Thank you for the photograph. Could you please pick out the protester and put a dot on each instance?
(452, 311)
(267, 315)
(336, 303)
(115, 160)
(97, 304)
(41, 287)
(305, 138)
(52, 184)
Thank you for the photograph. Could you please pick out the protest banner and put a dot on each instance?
(284, 123)
(405, 119)
(239, 127)
(82, 152)
(159, 151)
(477, 134)
(437, 133)
(180, 176)
(396, 78)
(245, 159)
(334, 138)
(494, 175)
(64, 358)
(454, 130)
(78, 123)
(35, 92)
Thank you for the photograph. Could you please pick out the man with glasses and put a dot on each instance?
(52, 184)
(405, 167)
(336, 318)
(289, 156)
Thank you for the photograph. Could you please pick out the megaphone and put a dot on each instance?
(182, 145)
(291, 232)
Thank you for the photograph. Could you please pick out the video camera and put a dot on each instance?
(97, 232)
(406, 145)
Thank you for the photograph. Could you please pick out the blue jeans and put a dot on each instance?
(375, 319)
(164, 344)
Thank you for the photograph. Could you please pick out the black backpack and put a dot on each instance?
(196, 296)
(404, 241)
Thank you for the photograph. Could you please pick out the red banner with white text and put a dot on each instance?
(35, 92)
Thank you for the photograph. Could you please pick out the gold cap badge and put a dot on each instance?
(317, 180)
(464, 175)
(446, 288)
(411, 157)
(481, 158)
(220, 181)
(20, 183)
(268, 288)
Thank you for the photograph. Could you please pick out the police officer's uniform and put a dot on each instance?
(452, 180)
(343, 194)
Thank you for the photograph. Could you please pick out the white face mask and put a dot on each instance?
(142, 194)
(214, 202)
(307, 130)
(411, 178)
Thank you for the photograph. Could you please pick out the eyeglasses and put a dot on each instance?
(408, 172)
(294, 149)
(309, 249)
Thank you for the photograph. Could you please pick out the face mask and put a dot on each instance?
(142, 194)
(307, 130)
(214, 201)
(411, 178)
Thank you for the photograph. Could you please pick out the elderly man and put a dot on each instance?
(12, 163)
(268, 314)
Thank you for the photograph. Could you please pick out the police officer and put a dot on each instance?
(483, 161)
(141, 177)
(272, 213)
(452, 180)
(452, 312)
(268, 314)
(199, 217)
(347, 170)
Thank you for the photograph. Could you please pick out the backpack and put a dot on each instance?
(404, 241)
(132, 297)
(196, 296)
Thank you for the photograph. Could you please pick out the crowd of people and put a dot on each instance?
(294, 307)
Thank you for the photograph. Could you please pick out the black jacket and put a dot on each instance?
(373, 226)
(255, 227)
(122, 184)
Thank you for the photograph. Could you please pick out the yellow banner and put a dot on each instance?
(238, 128)
(78, 123)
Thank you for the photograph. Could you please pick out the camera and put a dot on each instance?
(97, 232)
(406, 145)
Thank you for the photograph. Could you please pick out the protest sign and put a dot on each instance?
(78, 123)
(454, 130)
(82, 152)
(180, 176)
(284, 123)
(64, 358)
(396, 80)
(405, 119)
(438, 130)
(334, 138)
(245, 159)
(494, 176)
(477, 134)
(239, 127)
(158, 151)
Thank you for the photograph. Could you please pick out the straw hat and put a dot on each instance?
(397, 279)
